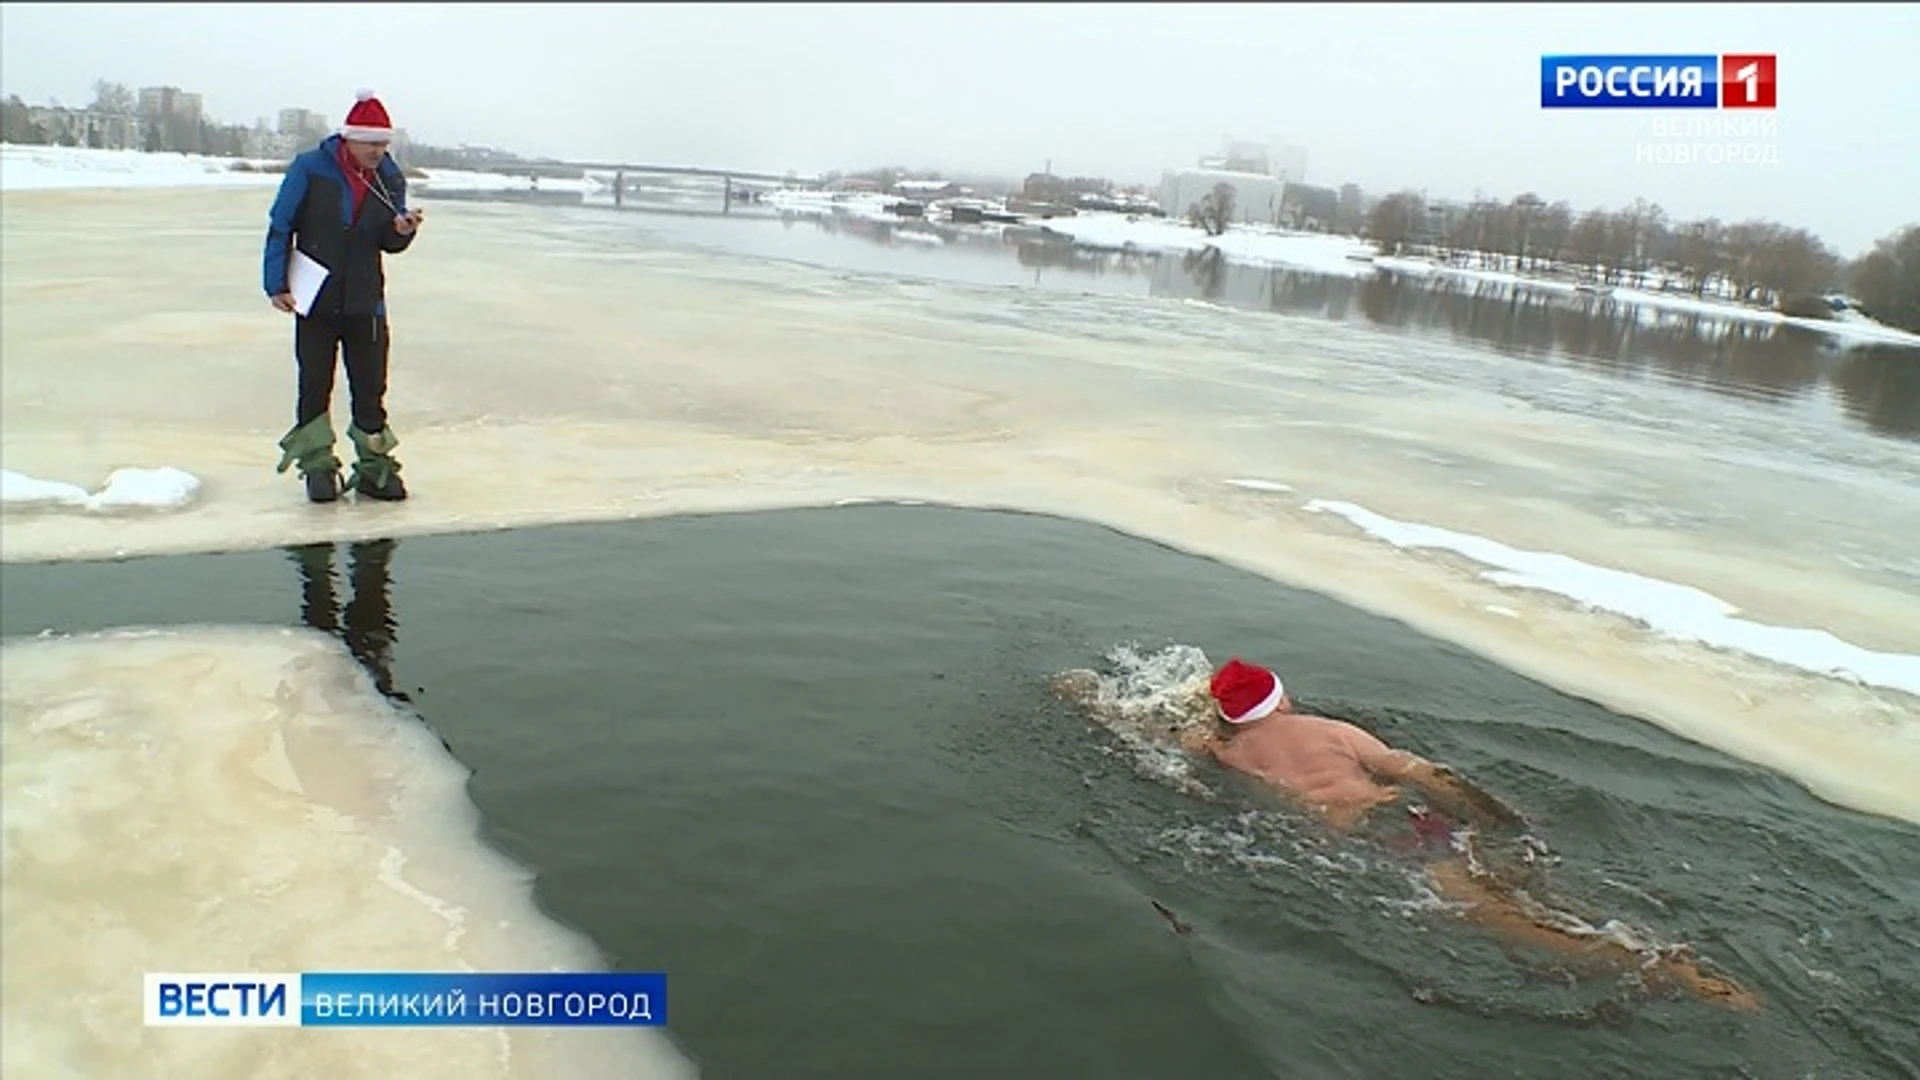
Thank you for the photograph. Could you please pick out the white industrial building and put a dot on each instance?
(1256, 197)
(1258, 173)
(1288, 162)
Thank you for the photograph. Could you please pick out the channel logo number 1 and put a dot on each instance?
(1747, 81)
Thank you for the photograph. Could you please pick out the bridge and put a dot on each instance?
(543, 168)
(621, 170)
(677, 170)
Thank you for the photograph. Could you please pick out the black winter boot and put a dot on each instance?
(310, 446)
(376, 475)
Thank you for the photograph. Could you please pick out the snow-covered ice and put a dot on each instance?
(1681, 612)
(858, 204)
(466, 180)
(1334, 256)
(1849, 324)
(1258, 485)
(164, 488)
(43, 168)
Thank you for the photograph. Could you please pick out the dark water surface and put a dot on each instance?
(803, 762)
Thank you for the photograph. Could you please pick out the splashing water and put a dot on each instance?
(1149, 701)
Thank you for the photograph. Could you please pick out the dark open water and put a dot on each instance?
(803, 763)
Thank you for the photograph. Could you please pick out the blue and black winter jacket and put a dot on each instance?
(314, 212)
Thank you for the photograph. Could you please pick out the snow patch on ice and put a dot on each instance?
(1259, 485)
(164, 488)
(1681, 612)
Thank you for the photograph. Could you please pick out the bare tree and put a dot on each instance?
(1550, 230)
(1497, 232)
(1214, 211)
(1795, 262)
(1635, 234)
(1697, 250)
(1396, 219)
(1588, 245)
(1479, 232)
(1744, 269)
(1887, 281)
(112, 98)
(16, 123)
(1522, 219)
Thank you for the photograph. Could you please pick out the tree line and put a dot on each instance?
(1755, 261)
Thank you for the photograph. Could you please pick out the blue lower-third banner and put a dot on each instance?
(406, 999)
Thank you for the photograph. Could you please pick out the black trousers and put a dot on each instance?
(318, 342)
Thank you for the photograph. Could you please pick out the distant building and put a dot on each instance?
(171, 119)
(928, 189)
(1260, 175)
(62, 126)
(1256, 197)
(1282, 161)
(1288, 162)
(1351, 213)
(170, 102)
(303, 125)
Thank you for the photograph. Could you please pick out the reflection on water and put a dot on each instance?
(1875, 386)
(365, 623)
(1878, 385)
(1881, 388)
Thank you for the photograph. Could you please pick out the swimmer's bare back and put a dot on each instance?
(1312, 761)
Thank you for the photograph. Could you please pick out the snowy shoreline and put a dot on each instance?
(43, 168)
(1321, 253)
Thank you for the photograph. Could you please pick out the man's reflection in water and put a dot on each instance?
(366, 624)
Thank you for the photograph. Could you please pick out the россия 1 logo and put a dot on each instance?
(1690, 81)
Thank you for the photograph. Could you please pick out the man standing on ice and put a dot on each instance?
(342, 204)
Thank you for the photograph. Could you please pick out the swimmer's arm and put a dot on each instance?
(1395, 766)
(1439, 782)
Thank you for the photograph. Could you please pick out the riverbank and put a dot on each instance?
(1321, 253)
(25, 168)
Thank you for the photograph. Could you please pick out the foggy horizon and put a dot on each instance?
(1439, 98)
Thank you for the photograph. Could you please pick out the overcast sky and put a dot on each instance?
(1444, 98)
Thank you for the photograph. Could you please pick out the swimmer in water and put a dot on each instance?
(1340, 773)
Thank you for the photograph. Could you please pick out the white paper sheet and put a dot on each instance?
(304, 278)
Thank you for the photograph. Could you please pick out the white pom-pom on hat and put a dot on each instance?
(363, 94)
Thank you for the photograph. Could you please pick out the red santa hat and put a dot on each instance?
(1245, 692)
(367, 121)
